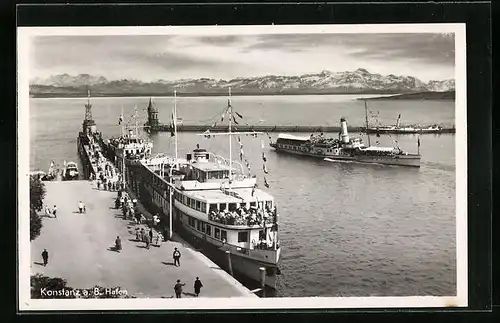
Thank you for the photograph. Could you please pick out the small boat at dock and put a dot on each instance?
(71, 171)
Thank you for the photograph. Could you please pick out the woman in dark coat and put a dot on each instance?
(197, 286)
(118, 244)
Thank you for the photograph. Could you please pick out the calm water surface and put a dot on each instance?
(346, 229)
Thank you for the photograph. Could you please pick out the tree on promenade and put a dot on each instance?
(37, 194)
(35, 225)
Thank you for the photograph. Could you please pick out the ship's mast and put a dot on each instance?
(366, 119)
(175, 129)
(123, 154)
(230, 139)
(136, 125)
(230, 134)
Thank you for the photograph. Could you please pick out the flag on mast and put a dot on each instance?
(172, 124)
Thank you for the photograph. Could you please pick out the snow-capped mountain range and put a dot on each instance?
(356, 81)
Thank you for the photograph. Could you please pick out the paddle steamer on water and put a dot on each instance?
(345, 148)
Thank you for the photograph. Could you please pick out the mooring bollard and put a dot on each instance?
(263, 280)
(228, 253)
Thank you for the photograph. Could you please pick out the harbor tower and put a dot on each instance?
(89, 125)
(343, 131)
(152, 115)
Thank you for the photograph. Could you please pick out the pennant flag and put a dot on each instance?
(239, 141)
(241, 154)
(239, 115)
(172, 125)
(266, 184)
(253, 190)
(262, 144)
(234, 119)
(418, 141)
(120, 120)
(264, 168)
(264, 157)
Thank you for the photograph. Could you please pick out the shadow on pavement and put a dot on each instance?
(168, 263)
(38, 263)
(113, 248)
(189, 294)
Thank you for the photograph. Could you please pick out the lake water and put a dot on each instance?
(346, 229)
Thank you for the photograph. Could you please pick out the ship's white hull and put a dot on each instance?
(241, 266)
(397, 160)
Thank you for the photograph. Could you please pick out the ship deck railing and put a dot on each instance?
(250, 218)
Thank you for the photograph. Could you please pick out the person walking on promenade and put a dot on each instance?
(99, 184)
(151, 235)
(45, 257)
(148, 241)
(54, 211)
(197, 286)
(143, 234)
(178, 288)
(109, 185)
(177, 257)
(118, 244)
(80, 207)
(137, 234)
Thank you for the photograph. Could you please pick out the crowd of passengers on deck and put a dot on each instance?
(243, 216)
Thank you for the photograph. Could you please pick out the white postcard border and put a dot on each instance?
(25, 35)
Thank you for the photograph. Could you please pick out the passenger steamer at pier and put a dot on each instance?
(215, 206)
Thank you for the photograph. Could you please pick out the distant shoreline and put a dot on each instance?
(444, 96)
(389, 95)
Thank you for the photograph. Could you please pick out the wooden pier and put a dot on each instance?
(266, 128)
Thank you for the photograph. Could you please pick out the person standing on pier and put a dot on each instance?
(197, 286)
(45, 257)
(178, 288)
(54, 211)
(151, 235)
(81, 207)
(118, 244)
(177, 257)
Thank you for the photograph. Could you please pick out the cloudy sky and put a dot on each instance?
(170, 57)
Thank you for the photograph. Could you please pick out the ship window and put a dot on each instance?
(232, 207)
(202, 226)
(198, 225)
(243, 236)
(262, 235)
(198, 205)
(223, 235)
(191, 221)
(208, 230)
(213, 207)
(269, 204)
(217, 233)
(193, 203)
(203, 207)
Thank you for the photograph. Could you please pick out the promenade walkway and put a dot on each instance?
(79, 250)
